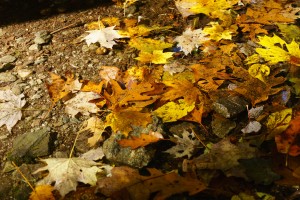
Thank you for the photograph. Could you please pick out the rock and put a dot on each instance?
(35, 47)
(42, 37)
(115, 153)
(8, 59)
(221, 126)
(24, 73)
(7, 77)
(230, 106)
(30, 145)
(40, 60)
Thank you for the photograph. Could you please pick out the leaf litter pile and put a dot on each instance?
(212, 107)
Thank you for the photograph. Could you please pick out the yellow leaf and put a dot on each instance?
(171, 112)
(217, 32)
(42, 192)
(157, 57)
(290, 32)
(212, 8)
(123, 121)
(259, 71)
(277, 122)
(148, 44)
(274, 52)
(141, 30)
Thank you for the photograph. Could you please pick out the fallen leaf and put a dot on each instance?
(143, 140)
(156, 57)
(80, 103)
(287, 141)
(128, 182)
(124, 120)
(105, 36)
(252, 126)
(278, 122)
(42, 192)
(93, 154)
(190, 40)
(66, 172)
(259, 71)
(148, 44)
(10, 108)
(172, 111)
(109, 73)
(185, 145)
(216, 32)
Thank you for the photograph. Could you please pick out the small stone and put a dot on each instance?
(115, 153)
(222, 126)
(7, 77)
(40, 60)
(24, 73)
(8, 59)
(101, 51)
(230, 106)
(35, 47)
(42, 37)
(31, 145)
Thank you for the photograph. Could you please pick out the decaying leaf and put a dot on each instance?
(109, 73)
(252, 126)
(278, 122)
(185, 145)
(93, 154)
(128, 181)
(67, 172)
(190, 40)
(10, 108)
(223, 155)
(174, 68)
(259, 71)
(42, 192)
(80, 103)
(141, 141)
(104, 36)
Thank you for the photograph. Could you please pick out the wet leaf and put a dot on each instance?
(143, 140)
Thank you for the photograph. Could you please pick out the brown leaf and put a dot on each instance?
(127, 183)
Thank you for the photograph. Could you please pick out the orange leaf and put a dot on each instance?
(42, 192)
(141, 141)
(288, 141)
(59, 88)
(91, 86)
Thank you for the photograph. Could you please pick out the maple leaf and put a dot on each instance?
(42, 192)
(139, 187)
(148, 44)
(278, 122)
(91, 86)
(97, 127)
(259, 71)
(172, 111)
(286, 141)
(174, 68)
(185, 145)
(142, 30)
(109, 72)
(215, 159)
(191, 39)
(59, 88)
(156, 57)
(124, 120)
(211, 8)
(181, 88)
(141, 141)
(80, 103)
(66, 172)
(274, 52)
(216, 32)
(132, 95)
(10, 108)
(104, 36)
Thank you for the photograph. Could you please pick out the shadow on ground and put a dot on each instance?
(18, 11)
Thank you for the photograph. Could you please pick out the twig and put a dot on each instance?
(69, 26)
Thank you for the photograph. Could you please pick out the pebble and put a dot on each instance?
(24, 73)
(40, 60)
(7, 77)
(35, 47)
(8, 59)
(42, 37)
